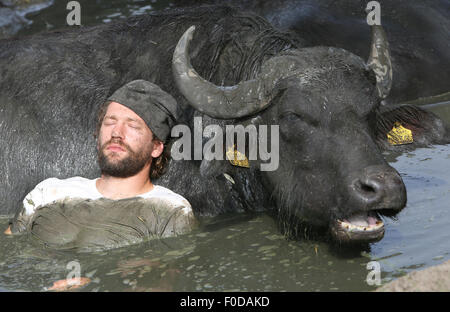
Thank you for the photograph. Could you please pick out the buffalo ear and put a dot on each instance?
(409, 126)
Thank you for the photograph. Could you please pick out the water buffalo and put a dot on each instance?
(419, 35)
(326, 101)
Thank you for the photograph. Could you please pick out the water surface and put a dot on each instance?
(247, 252)
(243, 252)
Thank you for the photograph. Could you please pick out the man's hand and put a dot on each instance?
(69, 284)
(8, 231)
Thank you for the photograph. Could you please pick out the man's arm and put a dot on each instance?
(22, 219)
(19, 223)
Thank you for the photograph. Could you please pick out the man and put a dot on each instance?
(132, 127)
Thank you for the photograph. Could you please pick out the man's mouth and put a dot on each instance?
(114, 147)
(364, 226)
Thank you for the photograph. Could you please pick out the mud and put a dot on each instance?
(435, 278)
(13, 15)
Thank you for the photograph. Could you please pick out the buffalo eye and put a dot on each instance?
(293, 125)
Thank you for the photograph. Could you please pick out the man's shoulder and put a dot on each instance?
(165, 193)
(53, 189)
(69, 182)
(161, 190)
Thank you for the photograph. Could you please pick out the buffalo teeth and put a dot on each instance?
(351, 227)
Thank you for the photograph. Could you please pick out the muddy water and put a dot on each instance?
(92, 13)
(245, 253)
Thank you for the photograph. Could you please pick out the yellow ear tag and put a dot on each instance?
(399, 135)
(236, 158)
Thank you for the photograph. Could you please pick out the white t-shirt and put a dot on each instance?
(53, 189)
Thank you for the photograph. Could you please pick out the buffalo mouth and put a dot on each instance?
(361, 227)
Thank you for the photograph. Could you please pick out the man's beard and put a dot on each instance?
(126, 167)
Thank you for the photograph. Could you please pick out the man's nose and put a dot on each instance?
(118, 130)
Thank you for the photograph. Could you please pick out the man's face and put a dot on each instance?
(125, 144)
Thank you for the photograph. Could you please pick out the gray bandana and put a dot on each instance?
(157, 108)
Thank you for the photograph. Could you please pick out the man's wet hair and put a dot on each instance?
(159, 164)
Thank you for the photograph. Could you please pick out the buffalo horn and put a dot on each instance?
(380, 61)
(230, 102)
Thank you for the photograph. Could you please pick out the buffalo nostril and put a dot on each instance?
(379, 187)
(368, 190)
